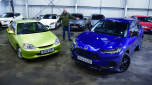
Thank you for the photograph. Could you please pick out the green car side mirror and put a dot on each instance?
(47, 27)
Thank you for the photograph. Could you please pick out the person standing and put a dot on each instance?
(65, 16)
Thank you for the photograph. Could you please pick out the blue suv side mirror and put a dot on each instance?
(132, 34)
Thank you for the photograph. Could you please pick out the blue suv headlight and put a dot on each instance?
(111, 50)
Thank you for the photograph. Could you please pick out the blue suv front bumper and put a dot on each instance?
(97, 60)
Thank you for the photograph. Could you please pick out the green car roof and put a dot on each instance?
(25, 21)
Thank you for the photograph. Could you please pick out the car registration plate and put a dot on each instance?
(84, 60)
(74, 26)
(47, 51)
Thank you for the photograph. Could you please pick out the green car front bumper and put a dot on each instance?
(32, 54)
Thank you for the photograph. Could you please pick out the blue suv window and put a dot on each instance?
(112, 28)
(134, 27)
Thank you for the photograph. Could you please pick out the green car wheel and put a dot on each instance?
(19, 53)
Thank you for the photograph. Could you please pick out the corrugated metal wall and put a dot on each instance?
(110, 8)
(2, 6)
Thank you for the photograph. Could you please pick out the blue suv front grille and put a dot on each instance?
(87, 54)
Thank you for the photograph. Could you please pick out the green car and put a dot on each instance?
(31, 39)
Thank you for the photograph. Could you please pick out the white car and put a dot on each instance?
(50, 21)
(6, 18)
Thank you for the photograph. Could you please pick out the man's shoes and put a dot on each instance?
(70, 40)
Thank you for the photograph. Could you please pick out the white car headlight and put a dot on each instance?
(111, 50)
(57, 41)
(28, 46)
(4, 21)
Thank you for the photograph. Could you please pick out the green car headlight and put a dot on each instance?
(57, 41)
(111, 50)
(28, 46)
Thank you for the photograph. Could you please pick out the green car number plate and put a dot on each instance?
(47, 51)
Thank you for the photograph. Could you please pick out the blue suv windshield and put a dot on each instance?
(111, 27)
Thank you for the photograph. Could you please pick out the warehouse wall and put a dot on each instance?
(141, 5)
(2, 7)
(110, 8)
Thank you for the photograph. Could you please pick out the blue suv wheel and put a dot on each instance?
(124, 63)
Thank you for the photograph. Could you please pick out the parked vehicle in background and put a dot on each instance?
(95, 18)
(31, 39)
(109, 45)
(145, 21)
(79, 23)
(6, 18)
(50, 21)
(40, 17)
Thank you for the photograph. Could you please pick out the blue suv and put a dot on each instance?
(109, 44)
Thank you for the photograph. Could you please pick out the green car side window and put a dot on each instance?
(32, 27)
(19, 28)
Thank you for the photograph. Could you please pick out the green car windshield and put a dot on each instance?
(31, 27)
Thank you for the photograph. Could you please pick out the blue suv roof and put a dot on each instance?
(120, 19)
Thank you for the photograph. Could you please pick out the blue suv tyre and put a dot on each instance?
(125, 62)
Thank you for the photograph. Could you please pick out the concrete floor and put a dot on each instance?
(60, 69)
